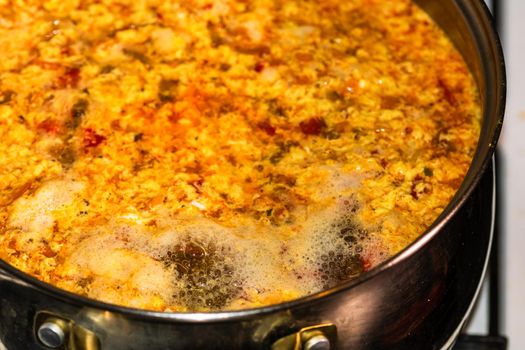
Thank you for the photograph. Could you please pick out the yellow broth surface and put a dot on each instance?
(195, 155)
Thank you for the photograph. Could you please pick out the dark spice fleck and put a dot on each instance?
(313, 126)
(166, 90)
(226, 107)
(284, 147)
(357, 133)
(333, 96)
(70, 78)
(276, 108)
(138, 137)
(413, 188)
(137, 55)
(390, 102)
(7, 96)
(448, 94)
(331, 135)
(84, 282)
(284, 179)
(277, 157)
(67, 156)
(267, 128)
(428, 172)
(225, 67)
(78, 110)
(259, 67)
(107, 69)
(215, 37)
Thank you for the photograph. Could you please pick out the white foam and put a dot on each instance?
(207, 265)
(34, 213)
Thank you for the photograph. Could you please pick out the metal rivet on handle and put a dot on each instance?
(51, 335)
(317, 342)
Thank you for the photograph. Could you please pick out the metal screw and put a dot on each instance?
(317, 342)
(51, 334)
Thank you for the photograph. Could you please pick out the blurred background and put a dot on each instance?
(510, 18)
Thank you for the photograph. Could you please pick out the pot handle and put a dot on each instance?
(55, 332)
(318, 337)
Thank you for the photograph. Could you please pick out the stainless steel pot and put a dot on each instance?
(419, 299)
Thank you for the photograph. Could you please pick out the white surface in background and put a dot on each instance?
(512, 145)
(512, 174)
(478, 323)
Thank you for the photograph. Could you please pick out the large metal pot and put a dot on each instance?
(419, 299)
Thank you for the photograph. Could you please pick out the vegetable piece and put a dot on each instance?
(92, 139)
(69, 79)
(313, 126)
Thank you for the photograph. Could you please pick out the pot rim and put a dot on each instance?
(484, 28)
